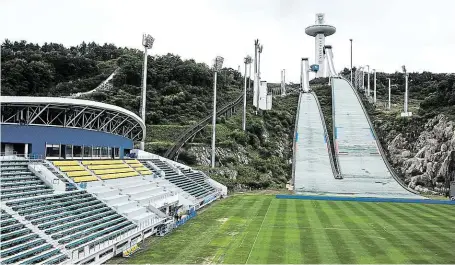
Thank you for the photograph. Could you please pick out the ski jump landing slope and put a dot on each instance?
(313, 172)
(362, 163)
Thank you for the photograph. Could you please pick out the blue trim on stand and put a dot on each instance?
(362, 199)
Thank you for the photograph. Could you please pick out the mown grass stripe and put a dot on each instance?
(233, 233)
(238, 253)
(392, 244)
(342, 249)
(292, 235)
(199, 251)
(409, 248)
(374, 248)
(308, 245)
(439, 210)
(391, 214)
(257, 235)
(430, 238)
(276, 234)
(443, 211)
(443, 224)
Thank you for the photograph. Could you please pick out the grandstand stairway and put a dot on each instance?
(185, 182)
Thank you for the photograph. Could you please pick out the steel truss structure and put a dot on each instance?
(72, 113)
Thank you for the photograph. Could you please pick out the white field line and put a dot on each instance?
(265, 216)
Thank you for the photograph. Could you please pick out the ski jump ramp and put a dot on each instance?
(314, 169)
(360, 160)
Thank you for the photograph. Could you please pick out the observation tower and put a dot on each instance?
(320, 30)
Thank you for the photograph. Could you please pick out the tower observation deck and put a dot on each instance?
(320, 30)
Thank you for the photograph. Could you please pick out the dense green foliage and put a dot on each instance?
(260, 229)
(178, 91)
(261, 155)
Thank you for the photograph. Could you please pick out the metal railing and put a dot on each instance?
(171, 152)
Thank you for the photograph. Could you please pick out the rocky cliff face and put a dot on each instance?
(428, 163)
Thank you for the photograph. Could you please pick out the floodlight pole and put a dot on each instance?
(217, 66)
(351, 59)
(363, 80)
(374, 86)
(147, 42)
(249, 77)
(406, 93)
(368, 86)
(259, 77)
(389, 92)
(247, 62)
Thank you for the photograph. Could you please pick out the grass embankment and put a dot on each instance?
(263, 229)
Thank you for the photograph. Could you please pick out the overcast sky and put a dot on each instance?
(386, 33)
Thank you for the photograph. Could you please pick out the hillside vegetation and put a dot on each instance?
(179, 94)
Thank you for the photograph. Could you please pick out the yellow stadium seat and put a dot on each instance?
(85, 179)
(78, 173)
(119, 175)
(66, 163)
(136, 165)
(141, 168)
(146, 172)
(111, 171)
(102, 162)
(107, 166)
(71, 168)
(134, 161)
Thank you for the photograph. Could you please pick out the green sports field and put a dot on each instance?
(263, 229)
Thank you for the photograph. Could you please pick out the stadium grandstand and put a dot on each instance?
(73, 189)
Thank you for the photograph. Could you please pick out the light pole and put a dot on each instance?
(147, 42)
(216, 67)
(368, 86)
(256, 81)
(351, 59)
(363, 80)
(374, 86)
(389, 91)
(247, 62)
(260, 47)
(249, 77)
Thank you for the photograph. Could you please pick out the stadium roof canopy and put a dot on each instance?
(72, 113)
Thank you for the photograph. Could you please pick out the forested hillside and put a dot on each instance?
(178, 91)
